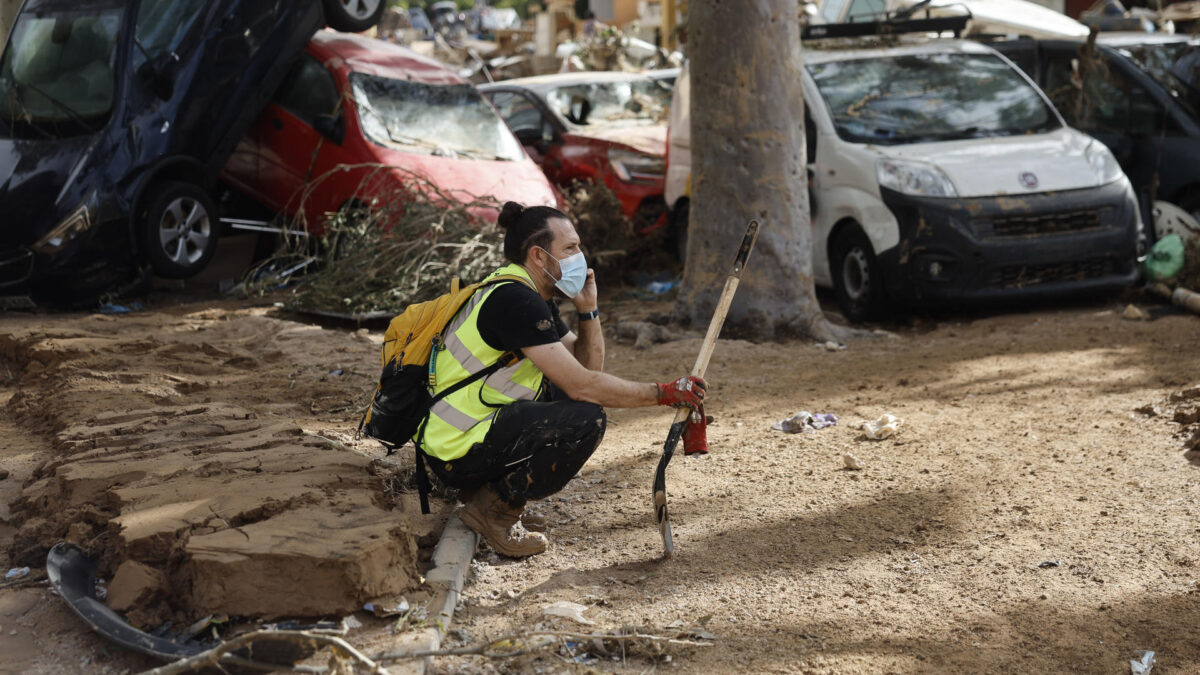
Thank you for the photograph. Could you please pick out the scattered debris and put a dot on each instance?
(805, 421)
(16, 573)
(1187, 299)
(832, 346)
(1046, 564)
(387, 607)
(884, 427)
(1132, 313)
(3, 474)
(351, 623)
(569, 610)
(1166, 259)
(851, 462)
(113, 308)
(1142, 663)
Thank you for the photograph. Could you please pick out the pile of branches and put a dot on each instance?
(616, 246)
(403, 246)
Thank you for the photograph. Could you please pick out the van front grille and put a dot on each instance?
(1020, 276)
(1047, 223)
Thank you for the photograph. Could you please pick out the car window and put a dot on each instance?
(618, 103)
(518, 112)
(831, 10)
(309, 91)
(57, 74)
(448, 120)
(161, 26)
(1095, 97)
(923, 97)
(864, 10)
(1024, 55)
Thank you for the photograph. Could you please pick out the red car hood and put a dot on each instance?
(463, 179)
(651, 140)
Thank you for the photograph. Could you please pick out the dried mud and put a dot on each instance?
(180, 445)
(1035, 513)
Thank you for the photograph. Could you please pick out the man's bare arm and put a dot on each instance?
(583, 384)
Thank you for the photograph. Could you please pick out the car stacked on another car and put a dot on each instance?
(357, 119)
(940, 173)
(115, 118)
(609, 128)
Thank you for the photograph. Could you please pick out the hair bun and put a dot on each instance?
(509, 215)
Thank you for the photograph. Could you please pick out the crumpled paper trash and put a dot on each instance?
(805, 421)
(569, 610)
(884, 427)
(1142, 664)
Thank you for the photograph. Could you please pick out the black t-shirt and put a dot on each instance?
(515, 316)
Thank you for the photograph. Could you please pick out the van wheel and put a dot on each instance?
(353, 16)
(857, 281)
(179, 230)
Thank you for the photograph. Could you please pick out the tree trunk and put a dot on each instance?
(748, 161)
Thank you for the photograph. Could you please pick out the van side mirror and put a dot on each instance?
(332, 127)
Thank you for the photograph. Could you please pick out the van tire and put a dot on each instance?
(179, 230)
(353, 16)
(857, 280)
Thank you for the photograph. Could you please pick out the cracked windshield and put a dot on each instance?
(58, 70)
(631, 102)
(929, 97)
(444, 120)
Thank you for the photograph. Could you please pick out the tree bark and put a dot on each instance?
(748, 161)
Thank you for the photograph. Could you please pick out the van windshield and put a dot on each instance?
(434, 119)
(623, 103)
(918, 98)
(57, 74)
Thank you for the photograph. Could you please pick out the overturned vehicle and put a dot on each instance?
(115, 120)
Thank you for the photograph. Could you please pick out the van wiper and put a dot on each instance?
(59, 104)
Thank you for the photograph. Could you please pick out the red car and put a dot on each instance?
(606, 127)
(356, 103)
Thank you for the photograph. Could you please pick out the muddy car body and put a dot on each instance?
(939, 173)
(359, 119)
(115, 120)
(608, 128)
(1138, 95)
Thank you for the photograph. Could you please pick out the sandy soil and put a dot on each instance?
(1027, 518)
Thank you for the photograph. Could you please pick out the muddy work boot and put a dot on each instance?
(534, 523)
(493, 518)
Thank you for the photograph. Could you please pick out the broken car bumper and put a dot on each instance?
(1019, 246)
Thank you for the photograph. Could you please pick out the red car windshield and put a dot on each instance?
(446, 120)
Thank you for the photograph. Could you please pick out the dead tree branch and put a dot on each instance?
(220, 654)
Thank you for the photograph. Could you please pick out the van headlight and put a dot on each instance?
(635, 166)
(1104, 166)
(71, 227)
(913, 178)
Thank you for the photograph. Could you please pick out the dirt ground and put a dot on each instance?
(1035, 513)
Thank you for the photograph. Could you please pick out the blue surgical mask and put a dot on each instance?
(574, 273)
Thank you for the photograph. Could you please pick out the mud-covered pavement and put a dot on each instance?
(1027, 517)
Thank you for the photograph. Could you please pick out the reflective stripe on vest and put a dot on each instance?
(461, 420)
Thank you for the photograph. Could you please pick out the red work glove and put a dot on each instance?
(686, 392)
(695, 433)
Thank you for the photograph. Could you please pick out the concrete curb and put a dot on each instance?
(451, 565)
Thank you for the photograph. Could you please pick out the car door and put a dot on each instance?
(1104, 98)
(292, 152)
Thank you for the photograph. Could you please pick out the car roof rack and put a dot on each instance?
(955, 24)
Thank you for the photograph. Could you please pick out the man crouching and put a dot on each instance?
(523, 432)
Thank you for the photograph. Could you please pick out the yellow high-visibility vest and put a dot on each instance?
(462, 419)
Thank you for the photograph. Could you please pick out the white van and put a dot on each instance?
(940, 173)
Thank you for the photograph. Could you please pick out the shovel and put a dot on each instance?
(681, 417)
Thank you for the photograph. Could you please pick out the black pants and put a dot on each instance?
(532, 450)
